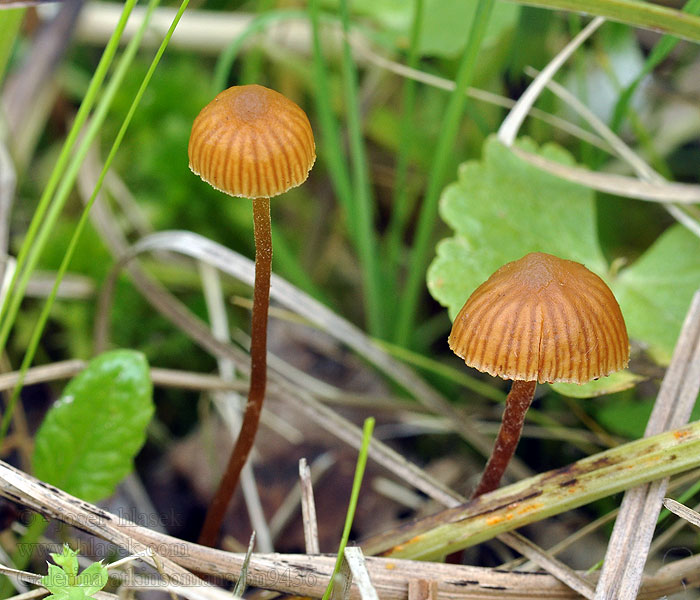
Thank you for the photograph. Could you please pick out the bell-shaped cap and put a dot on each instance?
(542, 318)
(253, 142)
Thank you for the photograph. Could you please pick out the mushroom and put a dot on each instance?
(538, 319)
(253, 142)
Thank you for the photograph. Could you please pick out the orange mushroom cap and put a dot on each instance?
(253, 142)
(542, 318)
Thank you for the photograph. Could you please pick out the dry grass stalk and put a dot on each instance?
(308, 509)
(422, 589)
(682, 511)
(622, 572)
(240, 267)
(358, 567)
(308, 575)
(50, 501)
(634, 527)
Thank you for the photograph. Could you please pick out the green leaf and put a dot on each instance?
(56, 581)
(445, 22)
(616, 382)
(647, 15)
(501, 208)
(63, 581)
(656, 290)
(76, 593)
(68, 560)
(629, 419)
(89, 437)
(93, 578)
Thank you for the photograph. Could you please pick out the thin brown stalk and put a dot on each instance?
(518, 401)
(258, 375)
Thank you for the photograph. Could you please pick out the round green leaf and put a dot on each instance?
(656, 290)
(501, 208)
(89, 437)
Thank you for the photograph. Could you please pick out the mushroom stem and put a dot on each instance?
(518, 401)
(258, 375)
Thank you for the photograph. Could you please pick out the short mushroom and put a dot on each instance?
(252, 142)
(538, 319)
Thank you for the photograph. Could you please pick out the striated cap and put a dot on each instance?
(253, 142)
(542, 318)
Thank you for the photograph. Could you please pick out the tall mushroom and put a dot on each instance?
(252, 142)
(538, 319)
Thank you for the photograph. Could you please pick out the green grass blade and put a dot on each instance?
(460, 377)
(658, 53)
(292, 268)
(400, 208)
(421, 251)
(367, 430)
(9, 28)
(56, 206)
(355, 202)
(580, 73)
(15, 292)
(683, 499)
(544, 495)
(436, 367)
(224, 64)
(252, 67)
(363, 201)
(239, 588)
(331, 146)
(31, 538)
(283, 254)
(645, 15)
